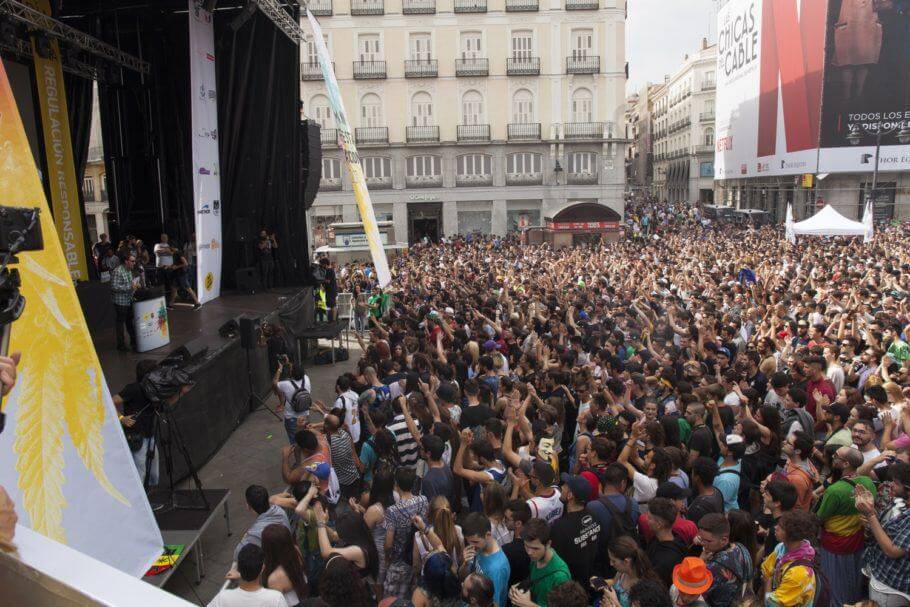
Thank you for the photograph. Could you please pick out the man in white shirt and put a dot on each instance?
(834, 371)
(250, 592)
(164, 253)
(348, 400)
(285, 389)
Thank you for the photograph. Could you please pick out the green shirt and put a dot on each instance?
(685, 430)
(899, 350)
(543, 579)
(842, 437)
(375, 302)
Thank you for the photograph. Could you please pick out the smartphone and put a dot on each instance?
(598, 584)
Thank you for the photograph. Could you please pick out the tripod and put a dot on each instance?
(254, 399)
(164, 415)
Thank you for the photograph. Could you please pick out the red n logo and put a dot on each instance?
(792, 61)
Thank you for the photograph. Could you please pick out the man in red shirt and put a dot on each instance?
(818, 385)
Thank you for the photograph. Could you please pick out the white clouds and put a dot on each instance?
(659, 33)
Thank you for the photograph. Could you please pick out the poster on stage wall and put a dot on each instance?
(206, 169)
(66, 464)
(346, 137)
(867, 83)
(770, 58)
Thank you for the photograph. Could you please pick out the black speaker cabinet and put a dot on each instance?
(310, 161)
(247, 279)
(242, 229)
(249, 331)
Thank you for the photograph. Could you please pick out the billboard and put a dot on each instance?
(867, 84)
(770, 58)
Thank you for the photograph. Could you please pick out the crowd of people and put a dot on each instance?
(694, 415)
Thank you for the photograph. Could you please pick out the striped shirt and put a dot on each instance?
(343, 458)
(408, 449)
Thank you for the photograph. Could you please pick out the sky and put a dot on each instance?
(659, 33)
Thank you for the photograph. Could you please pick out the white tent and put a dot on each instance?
(828, 222)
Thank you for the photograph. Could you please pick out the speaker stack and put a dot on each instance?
(310, 161)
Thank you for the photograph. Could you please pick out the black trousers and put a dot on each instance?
(267, 272)
(124, 316)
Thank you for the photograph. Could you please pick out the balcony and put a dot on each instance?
(524, 178)
(523, 66)
(330, 185)
(589, 64)
(312, 71)
(522, 6)
(372, 135)
(369, 70)
(584, 130)
(320, 8)
(704, 149)
(473, 133)
(473, 180)
(472, 66)
(95, 153)
(582, 5)
(367, 7)
(581, 178)
(422, 134)
(470, 6)
(418, 7)
(379, 183)
(423, 181)
(706, 117)
(329, 138)
(421, 68)
(525, 131)
(708, 86)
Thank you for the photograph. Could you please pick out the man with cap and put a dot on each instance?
(576, 533)
(682, 527)
(691, 578)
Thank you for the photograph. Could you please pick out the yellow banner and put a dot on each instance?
(58, 147)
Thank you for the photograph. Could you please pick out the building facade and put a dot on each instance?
(94, 180)
(639, 155)
(683, 130)
(471, 115)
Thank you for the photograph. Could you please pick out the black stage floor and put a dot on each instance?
(186, 325)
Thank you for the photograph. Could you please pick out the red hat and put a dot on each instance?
(691, 576)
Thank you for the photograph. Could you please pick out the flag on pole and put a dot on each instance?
(867, 221)
(788, 226)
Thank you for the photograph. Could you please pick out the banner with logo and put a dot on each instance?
(206, 170)
(58, 149)
(867, 87)
(770, 58)
(65, 460)
(346, 138)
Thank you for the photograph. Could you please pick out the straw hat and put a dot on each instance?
(691, 576)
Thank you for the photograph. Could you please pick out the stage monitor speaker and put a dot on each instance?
(190, 352)
(247, 280)
(230, 329)
(310, 161)
(249, 331)
(242, 229)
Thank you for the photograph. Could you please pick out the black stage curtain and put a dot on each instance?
(79, 104)
(258, 108)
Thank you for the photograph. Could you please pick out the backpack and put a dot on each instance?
(621, 523)
(802, 416)
(301, 400)
(744, 493)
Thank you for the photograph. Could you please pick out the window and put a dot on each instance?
(522, 45)
(331, 169)
(312, 55)
(709, 106)
(421, 109)
(368, 47)
(582, 43)
(103, 186)
(582, 105)
(376, 167)
(471, 45)
(474, 165)
(523, 106)
(709, 137)
(371, 110)
(523, 163)
(424, 166)
(708, 78)
(419, 47)
(88, 189)
(472, 108)
(321, 112)
(583, 163)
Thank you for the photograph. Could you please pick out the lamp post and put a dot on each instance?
(855, 136)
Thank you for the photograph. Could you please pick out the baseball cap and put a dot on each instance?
(578, 485)
(320, 470)
(450, 312)
(672, 491)
(490, 345)
(734, 439)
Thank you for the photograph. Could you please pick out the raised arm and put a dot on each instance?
(508, 453)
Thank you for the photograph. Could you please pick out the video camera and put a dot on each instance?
(17, 233)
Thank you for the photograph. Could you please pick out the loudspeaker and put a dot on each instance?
(310, 161)
(230, 329)
(249, 331)
(247, 279)
(242, 229)
(190, 352)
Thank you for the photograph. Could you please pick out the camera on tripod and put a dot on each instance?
(20, 230)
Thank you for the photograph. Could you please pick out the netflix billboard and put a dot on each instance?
(867, 86)
(770, 60)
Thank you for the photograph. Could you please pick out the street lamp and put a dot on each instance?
(855, 136)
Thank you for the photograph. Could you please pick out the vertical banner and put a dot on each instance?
(65, 460)
(206, 171)
(346, 137)
(58, 147)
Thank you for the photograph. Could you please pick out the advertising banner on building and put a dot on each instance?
(867, 86)
(346, 137)
(66, 463)
(770, 57)
(206, 169)
(58, 149)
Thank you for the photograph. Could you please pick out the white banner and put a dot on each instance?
(206, 170)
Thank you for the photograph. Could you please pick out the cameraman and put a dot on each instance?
(137, 417)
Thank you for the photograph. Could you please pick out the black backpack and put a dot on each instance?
(744, 494)
(621, 523)
(301, 400)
